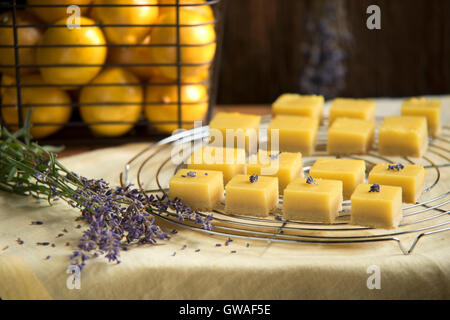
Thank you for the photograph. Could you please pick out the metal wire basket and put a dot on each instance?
(76, 130)
(151, 169)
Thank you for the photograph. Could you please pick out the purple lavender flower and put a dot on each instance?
(325, 70)
(310, 180)
(227, 242)
(396, 167)
(191, 174)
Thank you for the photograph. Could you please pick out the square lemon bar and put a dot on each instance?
(431, 109)
(382, 209)
(299, 105)
(350, 136)
(403, 136)
(286, 166)
(296, 134)
(228, 160)
(350, 172)
(239, 130)
(315, 201)
(352, 108)
(410, 177)
(251, 195)
(198, 189)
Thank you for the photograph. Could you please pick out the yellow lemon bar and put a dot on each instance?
(431, 109)
(352, 108)
(318, 201)
(198, 189)
(255, 198)
(296, 134)
(381, 209)
(286, 166)
(411, 178)
(350, 172)
(350, 136)
(230, 161)
(403, 136)
(299, 105)
(238, 130)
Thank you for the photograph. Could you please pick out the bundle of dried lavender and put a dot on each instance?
(324, 50)
(116, 216)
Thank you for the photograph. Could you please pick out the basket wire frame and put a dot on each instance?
(427, 217)
(217, 6)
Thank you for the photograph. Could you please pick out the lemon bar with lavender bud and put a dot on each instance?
(376, 206)
(351, 172)
(238, 130)
(227, 160)
(348, 136)
(296, 134)
(286, 166)
(312, 200)
(251, 195)
(403, 136)
(410, 177)
(352, 108)
(299, 105)
(431, 109)
(198, 189)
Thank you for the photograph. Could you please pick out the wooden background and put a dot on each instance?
(409, 56)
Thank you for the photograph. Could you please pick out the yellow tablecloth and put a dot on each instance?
(263, 270)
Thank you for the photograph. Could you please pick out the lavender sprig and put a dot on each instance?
(117, 217)
(396, 167)
(374, 188)
(324, 51)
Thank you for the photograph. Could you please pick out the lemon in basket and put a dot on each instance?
(161, 105)
(52, 14)
(26, 36)
(48, 105)
(127, 16)
(73, 75)
(134, 55)
(193, 34)
(112, 103)
(203, 9)
(141, 55)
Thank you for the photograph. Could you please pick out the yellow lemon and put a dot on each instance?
(161, 105)
(127, 16)
(141, 55)
(72, 76)
(134, 55)
(202, 36)
(129, 97)
(203, 9)
(48, 105)
(52, 14)
(26, 36)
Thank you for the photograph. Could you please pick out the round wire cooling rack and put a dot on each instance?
(152, 168)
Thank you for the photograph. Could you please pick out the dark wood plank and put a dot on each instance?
(409, 56)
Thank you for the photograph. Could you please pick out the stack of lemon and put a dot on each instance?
(109, 94)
